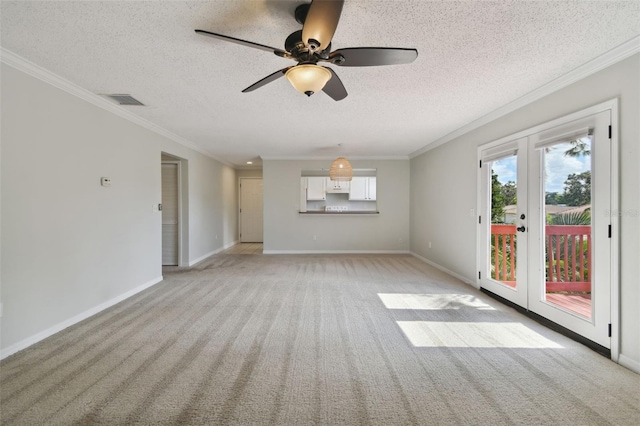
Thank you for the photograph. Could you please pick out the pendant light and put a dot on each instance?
(341, 170)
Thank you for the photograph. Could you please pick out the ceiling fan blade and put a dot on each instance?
(372, 56)
(321, 23)
(278, 52)
(268, 79)
(334, 87)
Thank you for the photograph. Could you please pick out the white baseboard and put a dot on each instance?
(231, 244)
(443, 269)
(629, 363)
(23, 344)
(201, 258)
(335, 252)
(211, 253)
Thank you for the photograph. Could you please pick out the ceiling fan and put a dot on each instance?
(312, 45)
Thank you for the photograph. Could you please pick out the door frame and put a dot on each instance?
(612, 106)
(178, 163)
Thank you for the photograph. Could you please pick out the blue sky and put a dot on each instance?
(557, 167)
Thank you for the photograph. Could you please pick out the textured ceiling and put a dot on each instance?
(474, 57)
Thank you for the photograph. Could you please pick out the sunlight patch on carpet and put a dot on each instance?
(428, 334)
(431, 301)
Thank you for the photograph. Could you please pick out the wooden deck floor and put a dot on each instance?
(578, 303)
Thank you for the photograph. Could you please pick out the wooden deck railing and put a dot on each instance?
(567, 252)
(503, 253)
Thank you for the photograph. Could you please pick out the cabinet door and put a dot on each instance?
(316, 188)
(358, 189)
(371, 190)
(337, 186)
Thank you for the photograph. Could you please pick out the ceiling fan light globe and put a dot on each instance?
(308, 78)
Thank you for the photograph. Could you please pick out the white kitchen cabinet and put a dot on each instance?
(316, 188)
(363, 189)
(338, 186)
(371, 190)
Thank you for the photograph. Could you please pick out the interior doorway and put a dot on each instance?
(174, 201)
(170, 213)
(545, 229)
(251, 210)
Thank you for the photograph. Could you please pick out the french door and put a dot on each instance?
(545, 222)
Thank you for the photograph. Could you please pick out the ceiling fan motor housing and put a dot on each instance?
(314, 44)
(294, 45)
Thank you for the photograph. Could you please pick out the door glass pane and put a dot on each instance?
(567, 239)
(502, 248)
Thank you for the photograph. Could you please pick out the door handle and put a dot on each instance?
(521, 228)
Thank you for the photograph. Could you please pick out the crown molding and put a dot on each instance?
(617, 54)
(333, 157)
(253, 167)
(18, 62)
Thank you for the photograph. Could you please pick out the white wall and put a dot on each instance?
(228, 224)
(70, 246)
(443, 186)
(285, 230)
(249, 173)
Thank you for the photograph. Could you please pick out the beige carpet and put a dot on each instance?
(323, 339)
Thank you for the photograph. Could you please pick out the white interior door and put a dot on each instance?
(170, 214)
(550, 251)
(251, 221)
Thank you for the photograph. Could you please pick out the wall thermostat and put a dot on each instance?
(105, 181)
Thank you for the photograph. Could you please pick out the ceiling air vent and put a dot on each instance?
(124, 99)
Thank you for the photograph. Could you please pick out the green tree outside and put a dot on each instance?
(497, 200)
(509, 193)
(577, 189)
